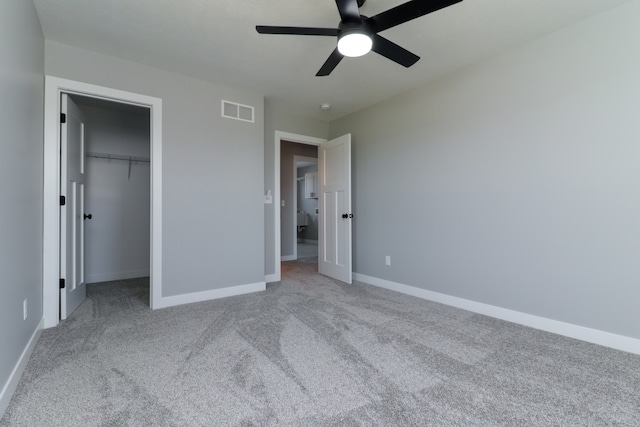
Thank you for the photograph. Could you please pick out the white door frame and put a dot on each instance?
(54, 87)
(279, 137)
(294, 205)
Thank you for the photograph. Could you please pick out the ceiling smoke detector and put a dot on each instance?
(325, 107)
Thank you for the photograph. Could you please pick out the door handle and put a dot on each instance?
(88, 216)
(345, 216)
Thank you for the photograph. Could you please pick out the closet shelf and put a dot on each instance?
(119, 157)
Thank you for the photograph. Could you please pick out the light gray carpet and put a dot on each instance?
(311, 351)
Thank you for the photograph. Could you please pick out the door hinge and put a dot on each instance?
(63, 200)
(62, 284)
(63, 118)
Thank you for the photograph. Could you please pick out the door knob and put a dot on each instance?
(345, 216)
(88, 216)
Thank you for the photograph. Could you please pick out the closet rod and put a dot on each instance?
(119, 157)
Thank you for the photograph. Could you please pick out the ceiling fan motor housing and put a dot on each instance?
(349, 27)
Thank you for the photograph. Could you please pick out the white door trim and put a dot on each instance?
(54, 86)
(294, 205)
(279, 137)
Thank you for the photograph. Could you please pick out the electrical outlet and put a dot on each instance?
(387, 260)
(24, 310)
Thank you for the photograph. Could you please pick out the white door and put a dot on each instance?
(72, 212)
(334, 250)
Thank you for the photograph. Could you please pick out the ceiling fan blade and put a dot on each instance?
(392, 51)
(331, 63)
(406, 12)
(349, 11)
(301, 31)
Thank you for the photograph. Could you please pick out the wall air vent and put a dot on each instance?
(233, 110)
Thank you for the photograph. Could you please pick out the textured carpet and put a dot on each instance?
(312, 351)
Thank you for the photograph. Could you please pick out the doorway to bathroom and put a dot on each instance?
(334, 203)
(299, 217)
(306, 208)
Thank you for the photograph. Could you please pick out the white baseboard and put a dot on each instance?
(270, 278)
(11, 384)
(607, 339)
(120, 275)
(164, 302)
(284, 258)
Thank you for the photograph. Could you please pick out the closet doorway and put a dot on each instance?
(117, 200)
(52, 280)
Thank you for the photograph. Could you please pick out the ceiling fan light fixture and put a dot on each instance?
(354, 43)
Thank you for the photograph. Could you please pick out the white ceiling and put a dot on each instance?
(215, 40)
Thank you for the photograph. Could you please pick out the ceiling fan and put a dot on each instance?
(358, 34)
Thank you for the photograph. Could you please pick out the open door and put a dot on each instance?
(72, 158)
(334, 167)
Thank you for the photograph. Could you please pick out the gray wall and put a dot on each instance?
(308, 205)
(514, 182)
(21, 157)
(117, 237)
(210, 209)
(276, 119)
(287, 176)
